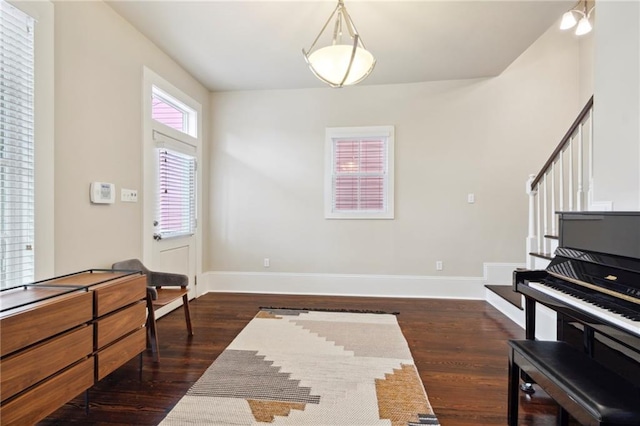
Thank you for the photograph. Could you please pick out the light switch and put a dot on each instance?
(128, 195)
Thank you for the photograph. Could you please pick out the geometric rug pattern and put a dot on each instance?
(301, 367)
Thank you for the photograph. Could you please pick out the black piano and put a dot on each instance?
(593, 284)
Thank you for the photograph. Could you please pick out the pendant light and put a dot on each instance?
(345, 61)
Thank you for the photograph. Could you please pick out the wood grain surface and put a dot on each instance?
(459, 347)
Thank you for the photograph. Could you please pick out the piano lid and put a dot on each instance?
(616, 233)
(601, 251)
(613, 275)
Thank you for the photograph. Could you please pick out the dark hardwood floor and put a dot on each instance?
(459, 347)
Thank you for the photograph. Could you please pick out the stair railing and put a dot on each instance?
(561, 185)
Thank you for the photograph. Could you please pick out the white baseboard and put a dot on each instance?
(160, 312)
(418, 286)
(546, 325)
(344, 284)
(506, 308)
(500, 273)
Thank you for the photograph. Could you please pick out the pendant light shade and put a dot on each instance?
(345, 61)
(333, 64)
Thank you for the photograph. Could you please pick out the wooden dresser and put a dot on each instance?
(60, 336)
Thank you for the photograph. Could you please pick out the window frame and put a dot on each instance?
(190, 123)
(156, 135)
(44, 243)
(182, 142)
(333, 134)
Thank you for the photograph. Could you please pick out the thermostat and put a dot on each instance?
(103, 193)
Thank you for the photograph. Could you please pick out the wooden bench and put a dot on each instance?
(582, 387)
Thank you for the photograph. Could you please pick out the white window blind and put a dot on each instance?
(360, 175)
(176, 210)
(16, 146)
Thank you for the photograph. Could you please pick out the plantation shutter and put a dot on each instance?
(16, 146)
(359, 175)
(176, 210)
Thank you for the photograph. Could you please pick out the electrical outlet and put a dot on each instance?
(438, 265)
(128, 195)
(265, 263)
(471, 198)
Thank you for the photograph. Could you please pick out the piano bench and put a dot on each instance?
(582, 387)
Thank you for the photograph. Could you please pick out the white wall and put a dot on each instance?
(452, 138)
(99, 61)
(616, 165)
(586, 65)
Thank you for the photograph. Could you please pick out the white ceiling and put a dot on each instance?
(248, 45)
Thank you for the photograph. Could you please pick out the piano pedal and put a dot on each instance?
(527, 388)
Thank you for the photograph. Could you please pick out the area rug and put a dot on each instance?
(301, 367)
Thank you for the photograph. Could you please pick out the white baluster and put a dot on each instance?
(545, 210)
(531, 237)
(561, 183)
(552, 212)
(571, 174)
(580, 193)
(539, 218)
(590, 159)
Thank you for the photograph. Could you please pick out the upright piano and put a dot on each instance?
(593, 285)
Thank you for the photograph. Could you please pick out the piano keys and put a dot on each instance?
(608, 313)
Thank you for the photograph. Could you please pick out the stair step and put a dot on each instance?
(547, 256)
(507, 293)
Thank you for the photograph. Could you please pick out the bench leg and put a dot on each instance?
(140, 367)
(563, 417)
(152, 332)
(512, 403)
(187, 314)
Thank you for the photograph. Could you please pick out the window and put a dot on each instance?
(359, 175)
(17, 184)
(176, 210)
(171, 112)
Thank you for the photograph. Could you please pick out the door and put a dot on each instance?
(172, 149)
(175, 214)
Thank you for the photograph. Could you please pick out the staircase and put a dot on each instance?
(564, 183)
